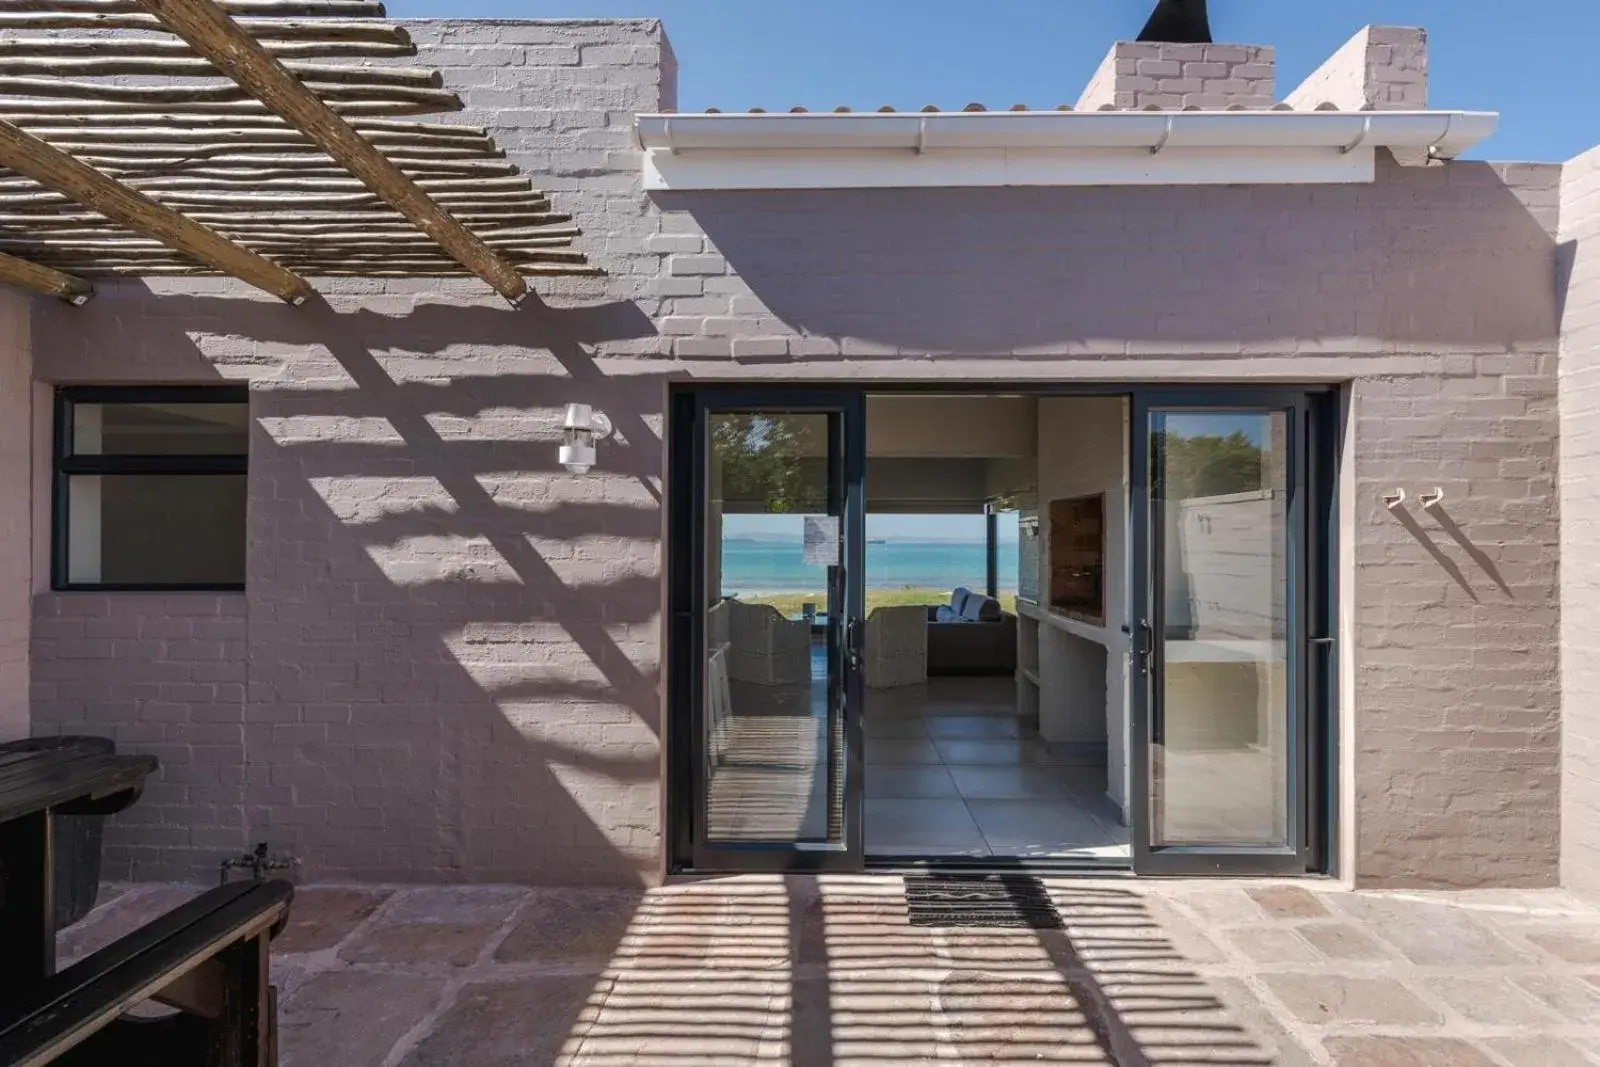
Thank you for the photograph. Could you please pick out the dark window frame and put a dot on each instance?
(65, 465)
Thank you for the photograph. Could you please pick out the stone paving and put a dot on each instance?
(820, 971)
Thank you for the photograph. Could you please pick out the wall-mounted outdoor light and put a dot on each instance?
(583, 427)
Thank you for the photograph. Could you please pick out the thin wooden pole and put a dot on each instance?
(56, 170)
(47, 280)
(212, 34)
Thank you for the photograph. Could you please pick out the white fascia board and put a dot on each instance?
(874, 150)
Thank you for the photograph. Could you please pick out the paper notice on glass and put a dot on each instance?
(822, 541)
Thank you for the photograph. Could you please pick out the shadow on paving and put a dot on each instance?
(815, 972)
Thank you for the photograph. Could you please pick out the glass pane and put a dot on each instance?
(149, 529)
(160, 429)
(1220, 752)
(773, 723)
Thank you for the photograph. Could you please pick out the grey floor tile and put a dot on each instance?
(910, 781)
(1038, 827)
(1008, 782)
(974, 727)
(922, 828)
(901, 750)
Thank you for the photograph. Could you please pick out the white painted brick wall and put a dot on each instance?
(1580, 523)
(1144, 74)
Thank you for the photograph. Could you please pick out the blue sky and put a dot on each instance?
(1535, 62)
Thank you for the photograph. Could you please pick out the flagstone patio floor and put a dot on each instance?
(830, 970)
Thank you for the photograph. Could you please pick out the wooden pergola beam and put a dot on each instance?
(54, 169)
(47, 280)
(212, 34)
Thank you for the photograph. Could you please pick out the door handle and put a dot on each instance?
(1141, 645)
(852, 643)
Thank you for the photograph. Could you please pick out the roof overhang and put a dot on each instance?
(998, 148)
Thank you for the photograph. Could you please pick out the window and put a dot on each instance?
(150, 488)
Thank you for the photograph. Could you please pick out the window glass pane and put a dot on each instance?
(774, 729)
(1220, 767)
(160, 429)
(147, 529)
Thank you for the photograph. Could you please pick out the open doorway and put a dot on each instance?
(996, 628)
(987, 731)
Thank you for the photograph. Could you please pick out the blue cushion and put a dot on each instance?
(946, 614)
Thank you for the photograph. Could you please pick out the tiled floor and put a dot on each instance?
(829, 971)
(951, 771)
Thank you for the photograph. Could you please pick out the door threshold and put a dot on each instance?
(1055, 867)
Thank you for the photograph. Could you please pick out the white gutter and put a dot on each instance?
(822, 150)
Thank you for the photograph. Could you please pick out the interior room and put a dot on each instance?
(996, 719)
(990, 732)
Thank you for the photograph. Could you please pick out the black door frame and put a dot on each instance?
(1147, 624)
(686, 513)
(1317, 801)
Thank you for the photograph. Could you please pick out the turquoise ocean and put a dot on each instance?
(752, 567)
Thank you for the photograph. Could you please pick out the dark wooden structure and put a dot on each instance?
(207, 958)
(34, 787)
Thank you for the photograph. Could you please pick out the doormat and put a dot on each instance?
(1005, 900)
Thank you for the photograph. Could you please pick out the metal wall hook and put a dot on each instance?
(1394, 499)
(1433, 499)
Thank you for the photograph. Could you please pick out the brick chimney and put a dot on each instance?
(1382, 68)
(1147, 74)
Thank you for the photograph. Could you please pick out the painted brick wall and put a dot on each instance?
(1456, 758)
(453, 647)
(1381, 68)
(16, 490)
(163, 674)
(1139, 74)
(1580, 523)
(449, 651)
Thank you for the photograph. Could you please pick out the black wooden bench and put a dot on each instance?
(208, 958)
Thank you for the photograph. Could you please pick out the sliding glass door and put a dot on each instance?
(769, 488)
(1220, 725)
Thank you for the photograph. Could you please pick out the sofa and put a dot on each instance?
(971, 635)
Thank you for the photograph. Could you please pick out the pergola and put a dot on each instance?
(254, 138)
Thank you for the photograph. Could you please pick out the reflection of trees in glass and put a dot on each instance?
(1208, 465)
(765, 460)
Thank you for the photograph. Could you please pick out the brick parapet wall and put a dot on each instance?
(454, 646)
(1580, 523)
(1141, 74)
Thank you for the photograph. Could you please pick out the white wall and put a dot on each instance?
(1083, 445)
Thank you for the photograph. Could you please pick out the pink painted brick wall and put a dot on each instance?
(163, 674)
(16, 491)
(453, 647)
(1580, 523)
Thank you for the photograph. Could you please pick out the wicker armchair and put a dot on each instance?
(766, 648)
(897, 647)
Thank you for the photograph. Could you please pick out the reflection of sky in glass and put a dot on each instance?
(963, 529)
(1254, 425)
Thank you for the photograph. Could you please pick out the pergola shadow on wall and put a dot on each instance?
(269, 146)
(276, 140)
